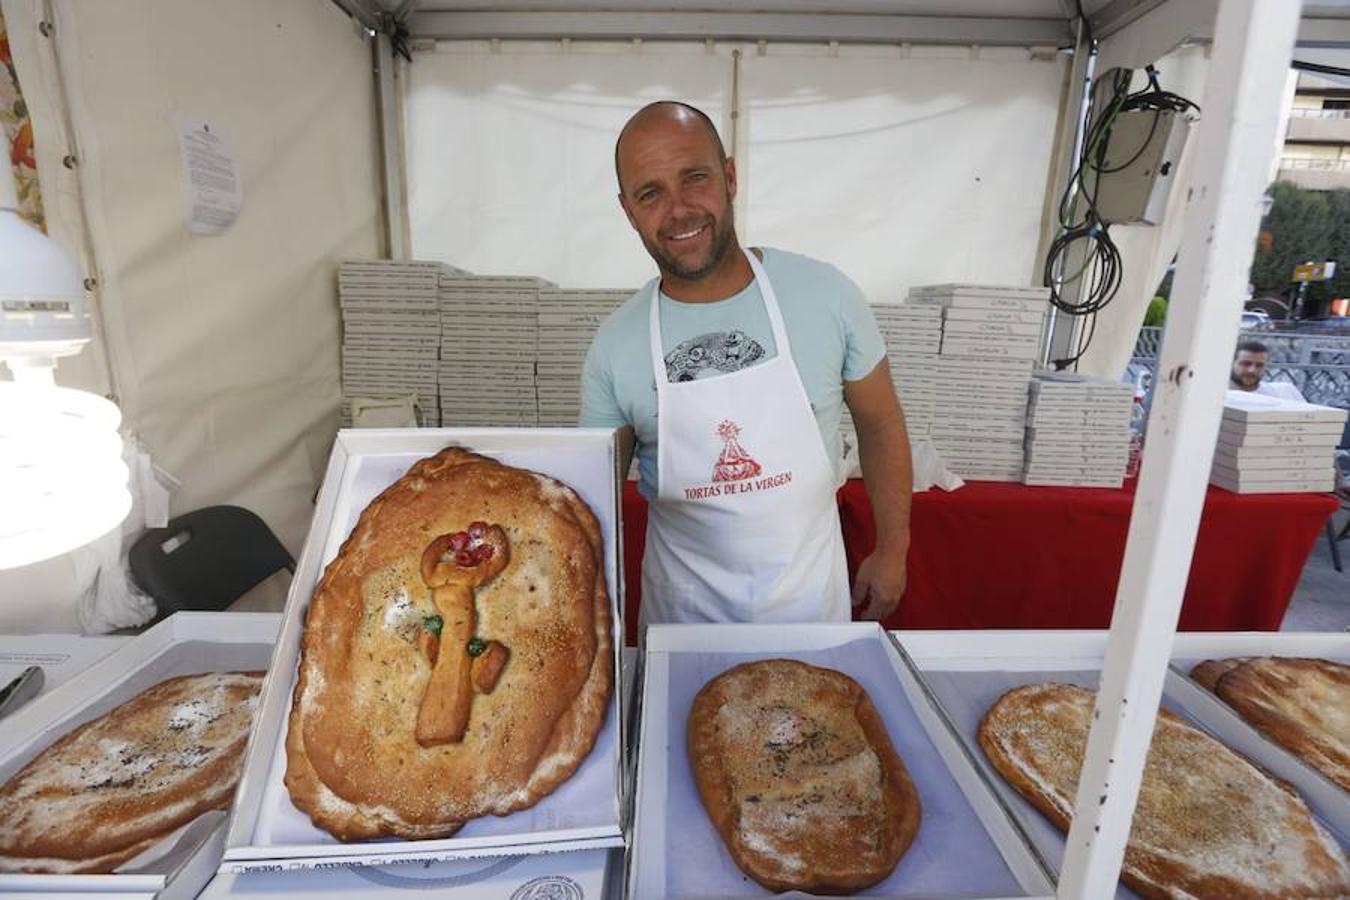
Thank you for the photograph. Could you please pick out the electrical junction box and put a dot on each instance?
(1140, 166)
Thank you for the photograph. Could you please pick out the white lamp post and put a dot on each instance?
(62, 479)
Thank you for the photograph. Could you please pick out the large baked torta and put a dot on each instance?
(1208, 825)
(798, 776)
(114, 786)
(379, 660)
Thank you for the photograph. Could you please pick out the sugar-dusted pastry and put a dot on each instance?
(1301, 704)
(111, 788)
(1208, 823)
(798, 775)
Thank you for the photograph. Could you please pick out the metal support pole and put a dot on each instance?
(1243, 93)
(1061, 329)
(393, 186)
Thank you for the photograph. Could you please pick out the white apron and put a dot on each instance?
(744, 527)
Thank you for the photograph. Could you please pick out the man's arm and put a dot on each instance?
(883, 451)
(600, 407)
(627, 443)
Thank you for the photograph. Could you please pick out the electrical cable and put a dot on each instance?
(1083, 233)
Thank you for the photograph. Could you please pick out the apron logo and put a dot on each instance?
(736, 471)
(734, 464)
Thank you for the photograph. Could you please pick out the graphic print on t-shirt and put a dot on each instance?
(713, 353)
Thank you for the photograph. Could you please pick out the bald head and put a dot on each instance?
(662, 115)
(676, 186)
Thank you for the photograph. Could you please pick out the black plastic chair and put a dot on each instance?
(206, 559)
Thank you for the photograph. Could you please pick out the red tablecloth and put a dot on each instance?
(996, 555)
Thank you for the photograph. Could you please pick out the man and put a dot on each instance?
(1249, 365)
(729, 371)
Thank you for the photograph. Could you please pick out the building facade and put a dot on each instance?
(1316, 152)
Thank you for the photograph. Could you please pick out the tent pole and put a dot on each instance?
(393, 181)
(1060, 328)
(1240, 116)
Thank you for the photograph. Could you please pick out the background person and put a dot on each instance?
(1249, 369)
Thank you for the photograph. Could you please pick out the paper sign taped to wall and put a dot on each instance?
(214, 190)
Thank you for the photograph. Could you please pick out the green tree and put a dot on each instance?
(1301, 228)
(1338, 205)
(1156, 314)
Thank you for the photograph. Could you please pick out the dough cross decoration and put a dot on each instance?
(455, 566)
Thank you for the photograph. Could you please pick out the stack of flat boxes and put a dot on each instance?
(1268, 445)
(991, 338)
(1078, 430)
(912, 335)
(391, 332)
(568, 320)
(489, 332)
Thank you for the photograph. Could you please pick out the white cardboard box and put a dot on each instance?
(977, 314)
(187, 643)
(1252, 407)
(966, 841)
(967, 671)
(266, 831)
(1323, 485)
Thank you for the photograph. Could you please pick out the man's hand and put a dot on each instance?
(883, 452)
(880, 584)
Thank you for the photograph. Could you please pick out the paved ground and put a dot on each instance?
(1322, 601)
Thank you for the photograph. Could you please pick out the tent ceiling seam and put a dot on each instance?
(677, 26)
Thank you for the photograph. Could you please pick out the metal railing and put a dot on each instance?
(1318, 365)
(1325, 385)
(1285, 346)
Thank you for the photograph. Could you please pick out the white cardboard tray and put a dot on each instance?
(579, 875)
(61, 656)
(967, 845)
(266, 832)
(187, 643)
(967, 671)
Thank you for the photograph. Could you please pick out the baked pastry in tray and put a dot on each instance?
(457, 658)
(1208, 673)
(797, 773)
(111, 788)
(1208, 823)
(1301, 704)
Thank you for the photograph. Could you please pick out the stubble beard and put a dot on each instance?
(724, 234)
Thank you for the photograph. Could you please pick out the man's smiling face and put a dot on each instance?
(677, 191)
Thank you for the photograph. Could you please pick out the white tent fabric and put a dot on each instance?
(224, 349)
(902, 165)
(510, 152)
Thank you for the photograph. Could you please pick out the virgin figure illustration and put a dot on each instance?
(734, 464)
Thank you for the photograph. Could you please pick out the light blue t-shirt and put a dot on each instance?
(833, 334)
